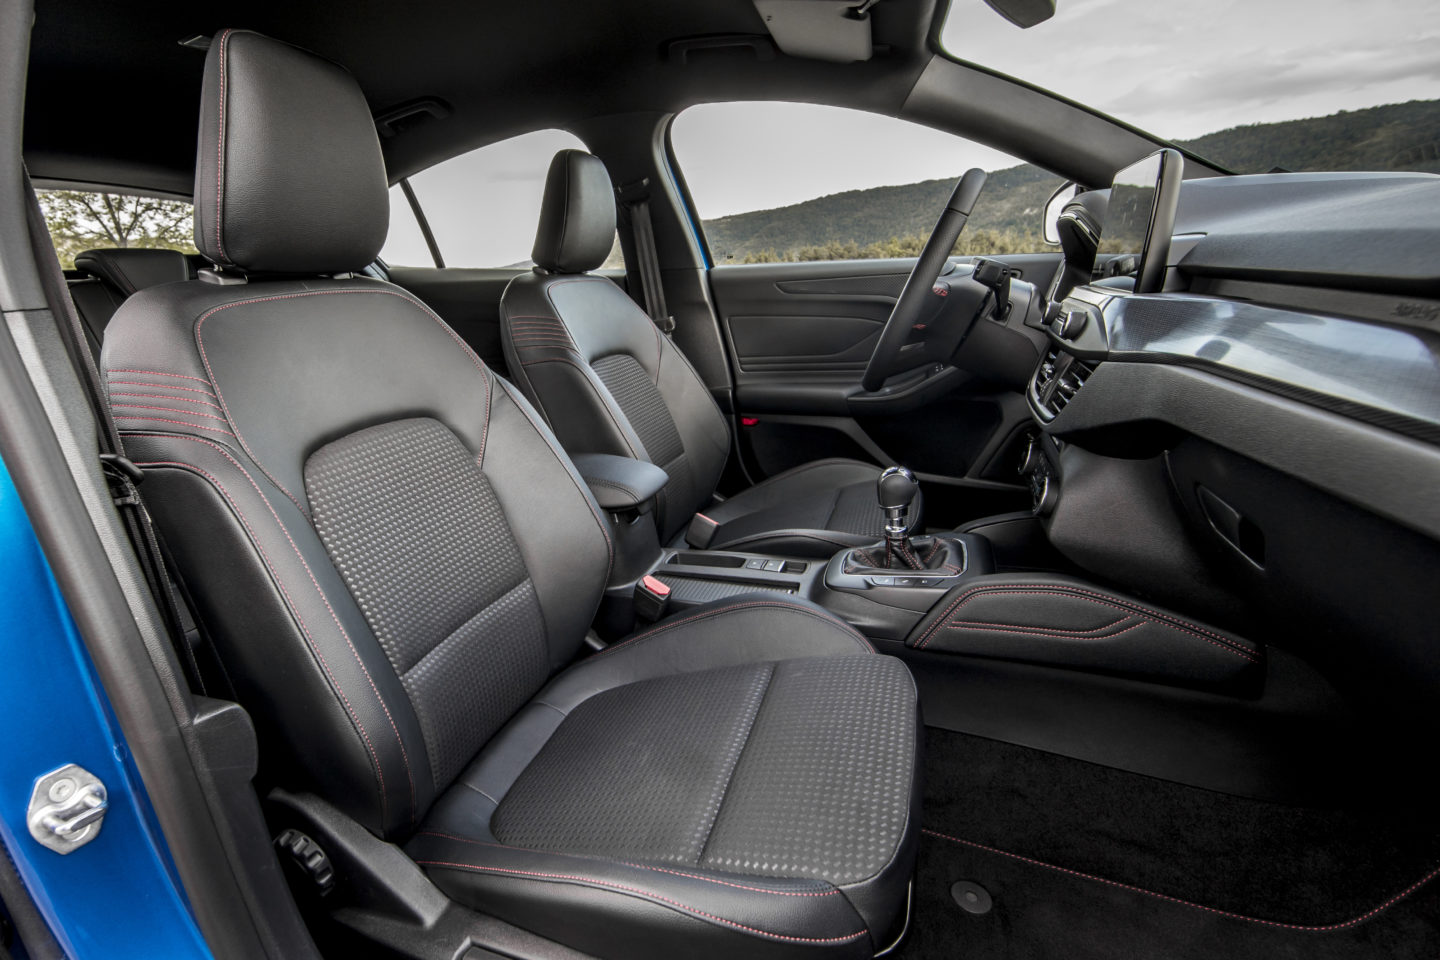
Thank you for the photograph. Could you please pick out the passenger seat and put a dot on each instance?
(607, 381)
(397, 566)
(112, 276)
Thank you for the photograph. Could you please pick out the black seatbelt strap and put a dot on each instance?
(121, 475)
(636, 199)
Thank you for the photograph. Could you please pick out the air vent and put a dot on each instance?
(1057, 380)
(1067, 384)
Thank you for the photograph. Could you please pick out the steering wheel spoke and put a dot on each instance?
(907, 333)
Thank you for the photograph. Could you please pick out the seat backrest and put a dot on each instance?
(112, 275)
(600, 372)
(388, 549)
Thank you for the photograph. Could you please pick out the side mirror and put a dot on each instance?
(1024, 13)
(1068, 191)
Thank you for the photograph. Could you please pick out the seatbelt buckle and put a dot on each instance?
(652, 596)
(701, 531)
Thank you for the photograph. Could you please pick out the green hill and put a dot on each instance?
(894, 220)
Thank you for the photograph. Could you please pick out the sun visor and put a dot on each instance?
(835, 30)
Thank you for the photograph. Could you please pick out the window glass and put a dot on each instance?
(1250, 84)
(404, 244)
(482, 206)
(797, 181)
(85, 220)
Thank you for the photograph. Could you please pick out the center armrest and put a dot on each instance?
(621, 483)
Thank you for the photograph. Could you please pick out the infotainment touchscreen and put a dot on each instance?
(1140, 215)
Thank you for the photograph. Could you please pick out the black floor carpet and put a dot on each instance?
(1085, 861)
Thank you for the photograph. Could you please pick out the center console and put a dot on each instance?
(923, 595)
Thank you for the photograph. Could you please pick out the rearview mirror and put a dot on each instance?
(1067, 192)
(1024, 13)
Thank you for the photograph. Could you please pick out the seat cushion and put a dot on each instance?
(737, 780)
(813, 510)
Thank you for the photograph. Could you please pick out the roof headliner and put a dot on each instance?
(112, 96)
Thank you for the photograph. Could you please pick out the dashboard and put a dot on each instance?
(1260, 438)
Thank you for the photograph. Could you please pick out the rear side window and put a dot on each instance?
(81, 220)
(800, 181)
(482, 206)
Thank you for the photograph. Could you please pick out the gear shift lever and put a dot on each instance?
(896, 491)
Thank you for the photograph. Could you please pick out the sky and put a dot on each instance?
(1178, 68)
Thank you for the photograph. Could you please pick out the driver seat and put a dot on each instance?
(607, 381)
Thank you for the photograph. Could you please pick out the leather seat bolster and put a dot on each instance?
(554, 373)
(1061, 621)
(736, 630)
(617, 909)
(330, 710)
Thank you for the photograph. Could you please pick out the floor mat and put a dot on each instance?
(1087, 861)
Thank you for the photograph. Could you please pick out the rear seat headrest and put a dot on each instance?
(289, 176)
(131, 270)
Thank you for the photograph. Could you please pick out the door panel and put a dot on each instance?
(800, 335)
(803, 343)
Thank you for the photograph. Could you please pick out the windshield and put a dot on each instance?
(1252, 85)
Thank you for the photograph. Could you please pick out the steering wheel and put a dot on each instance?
(919, 288)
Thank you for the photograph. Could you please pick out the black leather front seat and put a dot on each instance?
(607, 381)
(397, 564)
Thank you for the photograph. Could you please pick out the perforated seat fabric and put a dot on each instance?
(607, 381)
(397, 565)
(690, 762)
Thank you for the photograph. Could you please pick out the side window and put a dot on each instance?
(796, 181)
(482, 206)
(82, 220)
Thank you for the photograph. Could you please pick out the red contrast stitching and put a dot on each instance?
(589, 500)
(157, 373)
(325, 665)
(737, 886)
(404, 756)
(1059, 631)
(204, 358)
(160, 386)
(1307, 928)
(1086, 596)
(844, 627)
(163, 396)
(643, 893)
(1042, 633)
(183, 413)
(638, 866)
(183, 423)
(220, 151)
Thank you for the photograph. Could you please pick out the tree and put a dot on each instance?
(81, 220)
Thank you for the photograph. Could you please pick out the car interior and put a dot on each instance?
(1064, 604)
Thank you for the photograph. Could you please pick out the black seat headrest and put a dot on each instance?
(289, 177)
(131, 270)
(577, 217)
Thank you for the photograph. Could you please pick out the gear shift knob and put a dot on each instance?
(896, 491)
